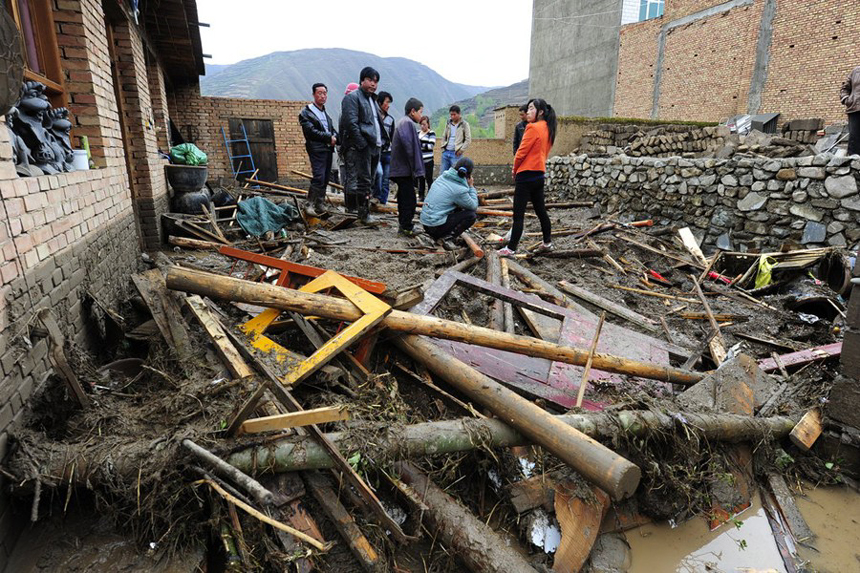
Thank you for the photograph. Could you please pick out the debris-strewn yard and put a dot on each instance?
(338, 398)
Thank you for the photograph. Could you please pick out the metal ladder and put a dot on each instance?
(233, 166)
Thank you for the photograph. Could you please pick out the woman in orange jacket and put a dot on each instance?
(529, 171)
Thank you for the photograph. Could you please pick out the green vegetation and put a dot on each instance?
(633, 121)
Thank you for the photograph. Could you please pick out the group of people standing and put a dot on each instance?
(374, 149)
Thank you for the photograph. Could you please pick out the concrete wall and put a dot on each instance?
(574, 56)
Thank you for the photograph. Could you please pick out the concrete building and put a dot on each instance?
(693, 59)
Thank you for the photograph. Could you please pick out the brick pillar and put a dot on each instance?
(147, 168)
(82, 39)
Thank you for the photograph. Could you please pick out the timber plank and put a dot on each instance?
(295, 419)
(609, 306)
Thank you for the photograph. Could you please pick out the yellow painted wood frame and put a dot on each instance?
(374, 311)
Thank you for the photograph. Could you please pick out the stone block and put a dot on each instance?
(814, 233)
(851, 353)
(806, 212)
(812, 172)
(844, 402)
(841, 187)
(752, 202)
(739, 386)
(786, 175)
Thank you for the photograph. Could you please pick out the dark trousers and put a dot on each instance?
(361, 165)
(457, 222)
(525, 191)
(854, 133)
(406, 202)
(321, 170)
(425, 182)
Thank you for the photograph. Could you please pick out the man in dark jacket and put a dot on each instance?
(407, 164)
(320, 139)
(851, 100)
(361, 132)
(520, 127)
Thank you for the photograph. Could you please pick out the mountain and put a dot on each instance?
(290, 75)
(478, 110)
(212, 69)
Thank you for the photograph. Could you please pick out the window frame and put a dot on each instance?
(44, 29)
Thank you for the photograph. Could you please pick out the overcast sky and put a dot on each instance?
(475, 42)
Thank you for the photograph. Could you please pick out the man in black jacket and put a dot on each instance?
(361, 132)
(520, 127)
(320, 139)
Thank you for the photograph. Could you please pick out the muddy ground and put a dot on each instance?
(124, 453)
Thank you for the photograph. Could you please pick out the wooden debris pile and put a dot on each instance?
(313, 418)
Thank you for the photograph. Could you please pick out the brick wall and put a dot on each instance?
(634, 91)
(200, 120)
(708, 64)
(67, 237)
(813, 49)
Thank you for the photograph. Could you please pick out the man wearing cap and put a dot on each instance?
(320, 139)
(362, 138)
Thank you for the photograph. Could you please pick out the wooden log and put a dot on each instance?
(609, 306)
(494, 276)
(570, 254)
(802, 357)
(655, 294)
(452, 436)
(186, 243)
(249, 484)
(473, 245)
(311, 304)
(583, 384)
(292, 191)
(716, 344)
(58, 357)
(309, 176)
(594, 461)
(475, 542)
(788, 507)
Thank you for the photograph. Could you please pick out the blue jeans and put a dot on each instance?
(449, 158)
(380, 181)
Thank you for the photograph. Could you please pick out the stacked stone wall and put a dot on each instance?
(748, 202)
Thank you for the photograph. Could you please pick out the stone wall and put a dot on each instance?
(200, 119)
(735, 203)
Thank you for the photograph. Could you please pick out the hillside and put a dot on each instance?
(290, 75)
(478, 109)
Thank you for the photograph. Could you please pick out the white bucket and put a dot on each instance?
(80, 161)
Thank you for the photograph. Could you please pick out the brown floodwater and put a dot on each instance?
(832, 514)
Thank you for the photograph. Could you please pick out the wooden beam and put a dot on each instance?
(609, 306)
(295, 419)
(229, 355)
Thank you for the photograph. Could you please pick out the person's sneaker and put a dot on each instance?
(506, 252)
(368, 220)
(374, 201)
(449, 245)
(425, 241)
(320, 207)
(311, 210)
(406, 232)
(544, 248)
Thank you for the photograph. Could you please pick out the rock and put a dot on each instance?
(724, 242)
(799, 196)
(813, 124)
(853, 203)
(812, 172)
(729, 181)
(837, 241)
(806, 212)
(752, 202)
(739, 386)
(814, 233)
(786, 174)
(841, 187)
(835, 227)
(707, 180)
(844, 402)
(611, 553)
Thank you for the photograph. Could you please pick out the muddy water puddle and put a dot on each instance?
(747, 544)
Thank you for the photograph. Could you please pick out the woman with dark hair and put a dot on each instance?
(451, 204)
(529, 171)
(427, 137)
